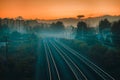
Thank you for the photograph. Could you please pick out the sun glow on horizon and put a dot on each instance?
(53, 9)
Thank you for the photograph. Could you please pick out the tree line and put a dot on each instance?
(104, 31)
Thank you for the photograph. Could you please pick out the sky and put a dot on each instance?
(54, 9)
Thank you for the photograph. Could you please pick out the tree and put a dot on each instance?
(38, 28)
(104, 24)
(4, 32)
(116, 32)
(116, 28)
(81, 29)
(104, 28)
(15, 35)
(53, 26)
(80, 16)
(60, 25)
(0, 22)
(57, 27)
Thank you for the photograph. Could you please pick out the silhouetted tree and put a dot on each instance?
(104, 24)
(116, 32)
(0, 22)
(58, 26)
(53, 26)
(104, 28)
(80, 16)
(81, 29)
(4, 32)
(15, 35)
(38, 28)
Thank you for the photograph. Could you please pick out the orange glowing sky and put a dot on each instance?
(52, 9)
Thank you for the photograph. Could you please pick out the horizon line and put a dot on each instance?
(58, 18)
